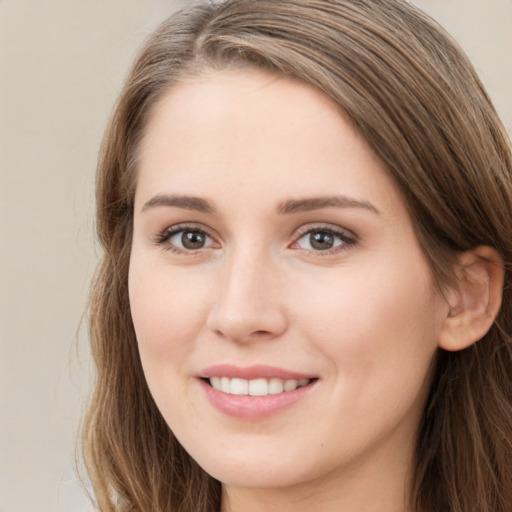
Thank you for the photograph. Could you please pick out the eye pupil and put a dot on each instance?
(193, 239)
(321, 240)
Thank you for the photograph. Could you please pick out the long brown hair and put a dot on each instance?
(416, 99)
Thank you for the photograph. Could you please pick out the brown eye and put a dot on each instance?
(185, 239)
(321, 240)
(325, 240)
(193, 239)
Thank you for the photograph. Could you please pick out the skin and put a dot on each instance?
(363, 317)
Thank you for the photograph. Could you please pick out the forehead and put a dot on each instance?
(253, 133)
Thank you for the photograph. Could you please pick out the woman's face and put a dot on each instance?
(273, 255)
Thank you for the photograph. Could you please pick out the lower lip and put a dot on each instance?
(253, 407)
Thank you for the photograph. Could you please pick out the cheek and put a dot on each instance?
(378, 327)
(168, 310)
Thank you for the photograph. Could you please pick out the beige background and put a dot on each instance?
(61, 65)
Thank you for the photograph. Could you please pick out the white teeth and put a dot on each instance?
(239, 387)
(275, 386)
(225, 384)
(256, 387)
(215, 382)
(290, 385)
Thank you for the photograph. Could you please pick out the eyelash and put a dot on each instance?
(164, 237)
(346, 238)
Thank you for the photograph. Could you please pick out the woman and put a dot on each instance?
(304, 299)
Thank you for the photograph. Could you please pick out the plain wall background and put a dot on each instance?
(61, 66)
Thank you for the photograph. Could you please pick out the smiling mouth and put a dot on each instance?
(255, 387)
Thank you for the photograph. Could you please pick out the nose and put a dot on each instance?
(249, 304)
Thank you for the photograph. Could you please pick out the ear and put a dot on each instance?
(476, 300)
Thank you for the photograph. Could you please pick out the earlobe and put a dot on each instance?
(476, 300)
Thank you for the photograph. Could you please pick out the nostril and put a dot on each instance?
(260, 334)
(246, 324)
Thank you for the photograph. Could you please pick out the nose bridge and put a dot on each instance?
(248, 306)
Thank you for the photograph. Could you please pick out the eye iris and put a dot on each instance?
(321, 240)
(193, 239)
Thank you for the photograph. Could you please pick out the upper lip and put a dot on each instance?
(252, 372)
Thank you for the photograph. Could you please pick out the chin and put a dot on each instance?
(255, 476)
(260, 466)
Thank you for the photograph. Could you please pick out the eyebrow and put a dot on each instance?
(178, 201)
(316, 203)
(286, 207)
